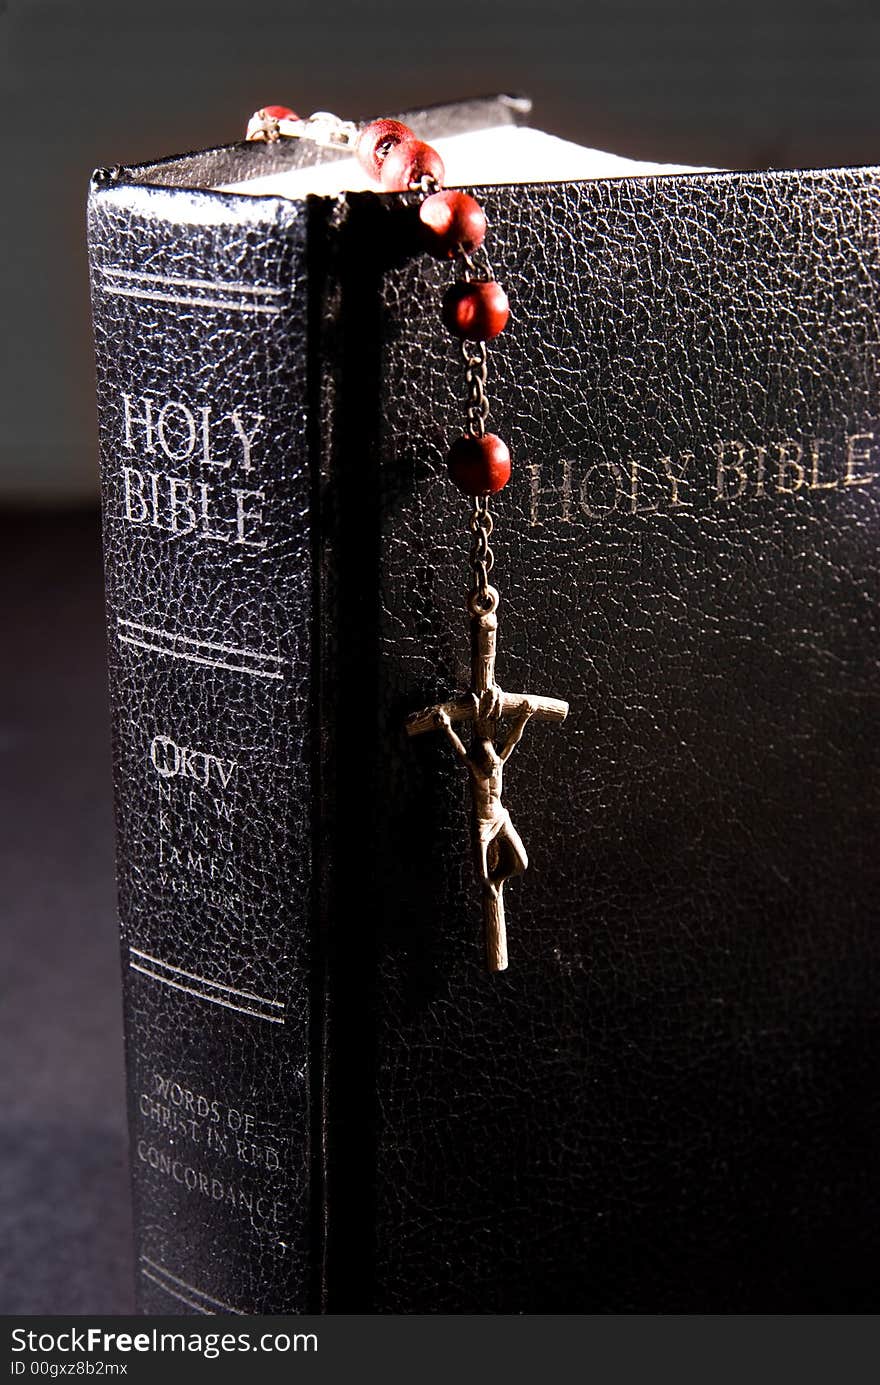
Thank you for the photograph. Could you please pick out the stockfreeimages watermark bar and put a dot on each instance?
(90, 1350)
(93, 1339)
(438, 1348)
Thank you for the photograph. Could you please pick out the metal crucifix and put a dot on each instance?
(499, 851)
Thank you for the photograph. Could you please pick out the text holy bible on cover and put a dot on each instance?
(669, 1102)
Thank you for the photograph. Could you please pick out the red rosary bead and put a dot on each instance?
(452, 221)
(479, 466)
(408, 162)
(263, 124)
(477, 310)
(280, 113)
(376, 141)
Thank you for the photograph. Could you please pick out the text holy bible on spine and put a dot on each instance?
(669, 1102)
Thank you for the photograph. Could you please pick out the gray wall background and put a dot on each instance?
(754, 84)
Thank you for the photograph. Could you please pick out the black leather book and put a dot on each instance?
(669, 1101)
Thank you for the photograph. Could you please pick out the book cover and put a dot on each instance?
(666, 1103)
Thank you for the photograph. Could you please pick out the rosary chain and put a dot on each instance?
(475, 309)
(475, 267)
(476, 369)
(482, 557)
(425, 185)
(322, 128)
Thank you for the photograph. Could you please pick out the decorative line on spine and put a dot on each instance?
(203, 980)
(203, 988)
(172, 280)
(159, 1275)
(158, 641)
(235, 297)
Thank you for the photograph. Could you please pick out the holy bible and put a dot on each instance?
(669, 1100)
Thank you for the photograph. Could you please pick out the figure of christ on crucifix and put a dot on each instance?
(497, 844)
(498, 848)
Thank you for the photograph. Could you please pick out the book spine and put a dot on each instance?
(200, 311)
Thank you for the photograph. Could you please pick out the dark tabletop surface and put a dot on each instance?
(64, 1205)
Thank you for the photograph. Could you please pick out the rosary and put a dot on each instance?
(475, 309)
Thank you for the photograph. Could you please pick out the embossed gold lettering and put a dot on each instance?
(566, 491)
(155, 477)
(619, 481)
(245, 517)
(187, 505)
(858, 452)
(730, 470)
(131, 418)
(245, 438)
(635, 507)
(165, 756)
(180, 501)
(133, 494)
(205, 411)
(676, 476)
(240, 1120)
(760, 470)
(180, 506)
(725, 469)
(171, 761)
(790, 470)
(260, 1208)
(815, 484)
(175, 418)
(205, 506)
(174, 426)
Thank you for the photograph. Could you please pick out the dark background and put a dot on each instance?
(752, 84)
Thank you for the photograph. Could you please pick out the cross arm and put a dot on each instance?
(462, 709)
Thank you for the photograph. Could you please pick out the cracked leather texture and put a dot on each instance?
(668, 1102)
(201, 303)
(217, 893)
